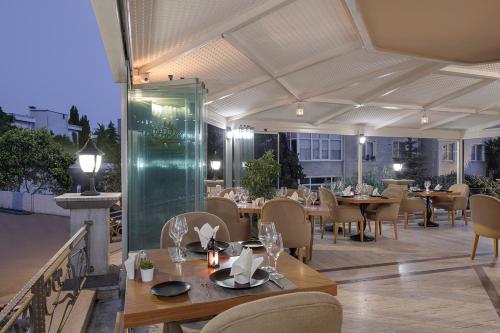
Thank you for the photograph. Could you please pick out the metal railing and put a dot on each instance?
(45, 302)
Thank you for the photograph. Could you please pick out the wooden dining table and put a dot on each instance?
(311, 212)
(427, 195)
(142, 308)
(363, 201)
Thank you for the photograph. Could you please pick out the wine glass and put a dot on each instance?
(274, 252)
(333, 186)
(314, 197)
(267, 230)
(177, 229)
(427, 185)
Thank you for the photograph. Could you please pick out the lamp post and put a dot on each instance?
(90, 158)
(215, 164)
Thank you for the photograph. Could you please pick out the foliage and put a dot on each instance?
(492, 157)
(413, 164)
(74, 117)
(261, 173)
(146, 264)
(483, 185)
(108, 142)
(85, 133)
(291, 170)
(31, 160)
(68, 145)
(374, 180)
(6, 121)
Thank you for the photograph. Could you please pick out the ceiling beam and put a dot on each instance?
(444, 121)
(334, 114)
(400, 82)
(459, 93)
(262, 109)
(469, 72)
(226, 26)
(401, 116)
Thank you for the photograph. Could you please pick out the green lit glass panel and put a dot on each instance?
(166, 152)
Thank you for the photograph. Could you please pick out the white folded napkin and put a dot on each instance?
(244, 267)
(375, 191)
(347, 191)
(438, 187)
(130, 265)
(206, 233)
(294, 196)
(229, 195)
(258, 202)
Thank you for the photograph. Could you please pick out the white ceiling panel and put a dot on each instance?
(478, 99)
(366, 115)
(308, 81)
(414, 121)
(471, 121)
(304, 31)
(250, 99)
(161, 27)
(312, 111)
(218, 64)
(428, 89)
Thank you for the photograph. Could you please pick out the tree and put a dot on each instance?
(84, 134)
(6, 121)
(66, 144)
(108, 142)
(261, 173)
(31, 161)
(74, 117)
(492, 157)
(291, 170)
(413, 164)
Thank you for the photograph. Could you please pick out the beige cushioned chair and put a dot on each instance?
(452, 204)
(195, 219)
(227, 210)
(386, 212)
(296, 312)
(486, 219)
(341, 214)
(412, 205)
(291, 221)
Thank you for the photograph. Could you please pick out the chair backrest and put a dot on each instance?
(390, 211)
(393, 192)
(485, 212)
(228, 212)
(327, 199)
(290, 219)
(463, 189)
(194, 219)
(227, 191)
(300, 193)
(296, 312)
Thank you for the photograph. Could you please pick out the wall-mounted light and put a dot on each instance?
(397, 167)
(300, 110)
(242, 132)
(362, 139)
(424, 118)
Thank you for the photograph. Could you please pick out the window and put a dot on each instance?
(319, 147)
(448, 152)
(369, 151)
(314, 183)
(398, 149)
(477, 153)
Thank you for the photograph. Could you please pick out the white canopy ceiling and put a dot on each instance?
(259, 58)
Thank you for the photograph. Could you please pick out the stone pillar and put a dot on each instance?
(95, 209)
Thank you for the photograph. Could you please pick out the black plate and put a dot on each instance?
(347, 196)
(375, 196)
(170, 288)
(252, 244)
(223, 279)
(196, 247)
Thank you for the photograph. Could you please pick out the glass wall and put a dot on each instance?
(215, 151)
(482, 165)
(166, 155)
(264, 142)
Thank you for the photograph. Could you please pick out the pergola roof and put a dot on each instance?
(259, 58)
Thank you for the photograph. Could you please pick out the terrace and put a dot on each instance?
(358, 96)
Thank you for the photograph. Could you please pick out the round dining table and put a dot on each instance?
(427, 195)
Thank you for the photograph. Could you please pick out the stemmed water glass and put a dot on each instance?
(177, 229)
(314, 197)
(427, 185)
(267, 231)
(274, 252)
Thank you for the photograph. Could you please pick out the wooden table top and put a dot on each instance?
(364, 199)
(141, 308)
(248, 208)
(433, 194)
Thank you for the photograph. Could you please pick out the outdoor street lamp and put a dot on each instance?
(90, 158)
(397, 167)
(215, 164)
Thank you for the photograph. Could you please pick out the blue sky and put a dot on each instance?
(52, 56)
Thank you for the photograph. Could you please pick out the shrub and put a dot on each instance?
(146, 264)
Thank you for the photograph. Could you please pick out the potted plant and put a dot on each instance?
(147, 270)
(261, 176)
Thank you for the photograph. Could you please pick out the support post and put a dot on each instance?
(460, 161)
(360, 162)
(228, 161)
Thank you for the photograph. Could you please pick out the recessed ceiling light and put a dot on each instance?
(209, 102)
(389, 92)
(225, 96)
(384, 75)
(392, 107)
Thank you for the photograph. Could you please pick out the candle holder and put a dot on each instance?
(212, 254)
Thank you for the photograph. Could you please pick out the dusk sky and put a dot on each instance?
(52, 56)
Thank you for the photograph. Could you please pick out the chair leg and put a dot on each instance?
(495, 245)
(453, 217)
(380, 227)
(464, 214)
(362, 230)
(369, 226)
(343, 230)
(425, 219)
(474, 246)
(322, 223)
(376, 230)
(395, 225)
(335, 232)
(406, 219)
(349, 228)
(300, 254)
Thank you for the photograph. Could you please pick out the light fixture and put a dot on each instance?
(215, 164)
(424, 118)
(90, 158)
(362, 139)
(300, 110)
(397, 166)
(242, 132)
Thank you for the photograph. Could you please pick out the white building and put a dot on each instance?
(55, 122)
